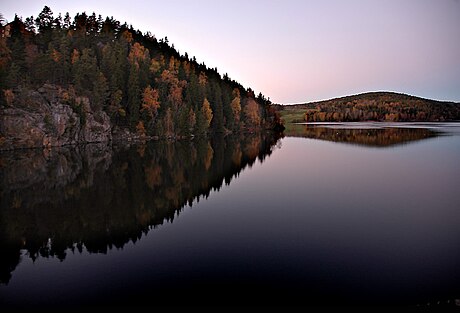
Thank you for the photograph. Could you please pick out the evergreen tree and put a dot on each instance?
(85, 71)
(100, 93)
(217, 108)
(134, 96)
(17, 46)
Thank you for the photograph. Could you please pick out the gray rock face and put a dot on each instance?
(44, 118)
(97, 128)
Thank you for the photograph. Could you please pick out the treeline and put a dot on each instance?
(380, 106)
(141, 82)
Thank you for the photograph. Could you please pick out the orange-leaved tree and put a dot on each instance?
(150, 104)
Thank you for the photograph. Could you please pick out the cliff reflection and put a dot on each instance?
(375, 137)
(100, 196)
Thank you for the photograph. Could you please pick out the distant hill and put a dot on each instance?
(372, 106)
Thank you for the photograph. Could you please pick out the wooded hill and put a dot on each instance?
(372, 106)
(142, 83)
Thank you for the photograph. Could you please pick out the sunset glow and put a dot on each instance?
(298, 51)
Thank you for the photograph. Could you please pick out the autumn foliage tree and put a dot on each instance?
(236, 105)
(252, 113)
(207, 112)
(150, 104)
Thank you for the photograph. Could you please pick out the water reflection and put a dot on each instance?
(100, 196)
(365, 136)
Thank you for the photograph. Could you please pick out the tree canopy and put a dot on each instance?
(134, 77)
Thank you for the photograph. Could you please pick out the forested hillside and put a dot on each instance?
(142, 83)
(373, 106)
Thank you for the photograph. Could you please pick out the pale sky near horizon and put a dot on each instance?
(296, 51)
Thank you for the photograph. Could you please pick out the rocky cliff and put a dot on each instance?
(46, 118)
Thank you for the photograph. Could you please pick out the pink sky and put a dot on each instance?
(297, 50)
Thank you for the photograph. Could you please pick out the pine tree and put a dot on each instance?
(100, 93)
(134, 96)
(85, 71)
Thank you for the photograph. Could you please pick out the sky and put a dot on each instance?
(296, 51)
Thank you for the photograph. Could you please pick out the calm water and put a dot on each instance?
(335, 214)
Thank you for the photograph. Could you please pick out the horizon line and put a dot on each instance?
(363, 93)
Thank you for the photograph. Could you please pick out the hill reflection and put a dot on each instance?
(374, 137)
(100, 196)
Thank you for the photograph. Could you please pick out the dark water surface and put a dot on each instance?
(330, 215)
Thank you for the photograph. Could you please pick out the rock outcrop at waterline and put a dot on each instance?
(45, 118)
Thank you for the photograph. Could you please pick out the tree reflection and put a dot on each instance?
(101, 196)
(376, 137)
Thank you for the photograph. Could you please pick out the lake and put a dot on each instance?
(332, 214)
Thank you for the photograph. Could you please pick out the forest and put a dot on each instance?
(373, 106)
(142, 83)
